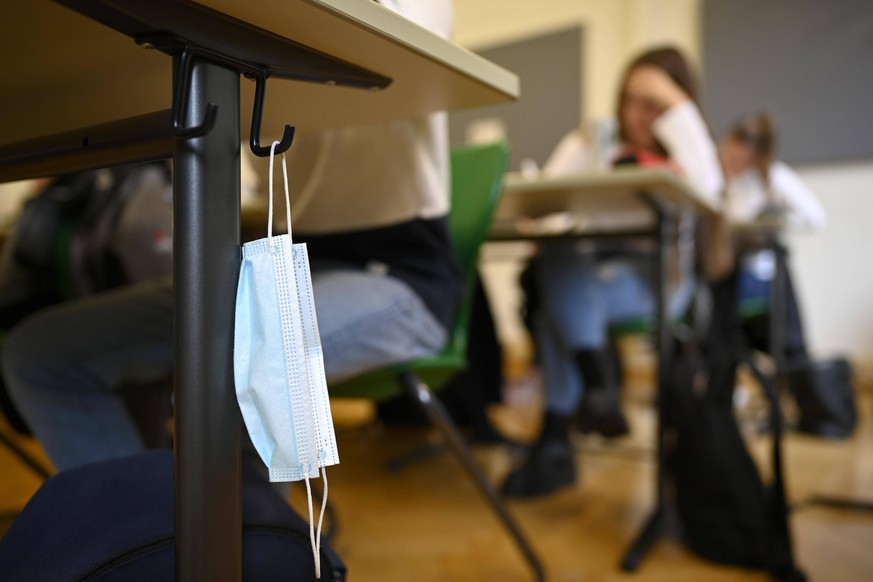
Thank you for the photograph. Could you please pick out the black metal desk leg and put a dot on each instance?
(778, 351)
(656, 522)
(207, 223)
(778, 313)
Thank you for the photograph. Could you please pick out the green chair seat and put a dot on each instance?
(756, 307)
(638, 325)
(381, 384)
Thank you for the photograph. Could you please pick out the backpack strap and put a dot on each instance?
(783, 566)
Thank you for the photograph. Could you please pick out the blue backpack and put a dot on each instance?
(113, 521)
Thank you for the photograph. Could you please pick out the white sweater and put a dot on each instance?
(684, 134)
(747, 195)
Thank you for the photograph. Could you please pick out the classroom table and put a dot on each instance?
(88, 83)
(600, 201)
(625, 203)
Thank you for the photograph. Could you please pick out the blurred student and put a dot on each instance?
(759, 185)
(582, 289)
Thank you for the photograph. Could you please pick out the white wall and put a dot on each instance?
(833, 279)
(833, 268)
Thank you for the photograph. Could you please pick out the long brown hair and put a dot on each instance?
(757, 131)
(670, 60)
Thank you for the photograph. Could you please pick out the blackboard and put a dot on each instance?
(808, 62)
(550, 69)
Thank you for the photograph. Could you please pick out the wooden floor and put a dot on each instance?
(427, 523)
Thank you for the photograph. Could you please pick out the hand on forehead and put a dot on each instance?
(653, 84)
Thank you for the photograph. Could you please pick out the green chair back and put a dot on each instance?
(477, 183)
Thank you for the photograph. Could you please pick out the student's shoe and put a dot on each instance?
(600, 412)
(550, 465)
(600, 409)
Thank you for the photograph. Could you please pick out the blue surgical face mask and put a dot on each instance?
(278, 365)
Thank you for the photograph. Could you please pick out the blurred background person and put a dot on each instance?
(582, 289)
(759, 186)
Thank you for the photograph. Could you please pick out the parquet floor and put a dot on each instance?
(427, 523)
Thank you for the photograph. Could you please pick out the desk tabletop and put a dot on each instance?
(64, 71)
(590, 202)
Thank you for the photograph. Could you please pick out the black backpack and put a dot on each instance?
(728, 513)
(825, 396)
(113, 521)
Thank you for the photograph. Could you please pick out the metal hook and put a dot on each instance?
(180, 103)
(257, 114)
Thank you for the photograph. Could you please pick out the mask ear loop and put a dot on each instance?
(270, 200)
(315, 538)
(287, 198)
(287, 195)
(321, 517)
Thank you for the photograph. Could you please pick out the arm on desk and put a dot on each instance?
(684, 133)
(715, 247)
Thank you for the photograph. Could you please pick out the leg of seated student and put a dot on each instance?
(63, 367)
(581, 305)
(368, 320)
(550, 464)
(578, 303)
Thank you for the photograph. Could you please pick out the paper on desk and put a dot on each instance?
(592, 221)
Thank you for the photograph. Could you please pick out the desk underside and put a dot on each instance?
(65, 71)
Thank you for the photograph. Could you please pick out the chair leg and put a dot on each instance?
(437, 414)
(416, 455)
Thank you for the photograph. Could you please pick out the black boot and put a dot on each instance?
(600, 409)
(550, 465)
